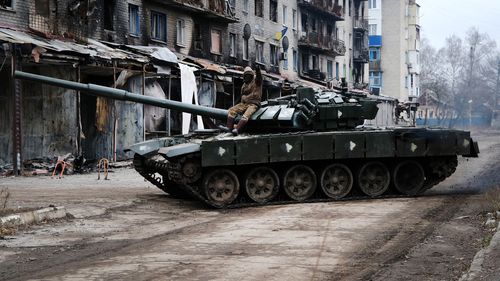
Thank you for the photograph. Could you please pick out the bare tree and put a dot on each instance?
(463, 74)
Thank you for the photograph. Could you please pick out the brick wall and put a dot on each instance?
(17, 16)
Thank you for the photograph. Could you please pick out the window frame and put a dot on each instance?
(329, 69)
(257, 43)
(294, 19)
(154, 21)
(273, 17)
(12, 6)
(260, 12)
(137, 19)
(212, 30)
(246, 49)
(246, 5)
(295, 58)
(284, 12)
(273, 56)
(180, 25)
(232, 45)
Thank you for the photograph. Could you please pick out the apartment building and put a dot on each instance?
(295, 41)
(394, 30)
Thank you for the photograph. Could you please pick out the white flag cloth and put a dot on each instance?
(188, 91)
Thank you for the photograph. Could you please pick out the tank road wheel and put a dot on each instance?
(374, 179)
(262, 184)
(336, 181)
(299, 182)
(221, 187)
(409, 177)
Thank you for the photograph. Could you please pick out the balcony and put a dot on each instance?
(325, 7)
(217, 10)
(375, 66)
(322, 43)
(360, 25)
(361, 54)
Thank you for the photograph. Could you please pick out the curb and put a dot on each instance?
(34, 216)
(476, 266)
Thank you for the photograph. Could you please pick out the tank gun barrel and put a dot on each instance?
(118, 94)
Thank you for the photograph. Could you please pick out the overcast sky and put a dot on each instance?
(441, 18)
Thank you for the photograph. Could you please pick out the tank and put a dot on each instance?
(306, 147)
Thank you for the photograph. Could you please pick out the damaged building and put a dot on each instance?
(142, 46)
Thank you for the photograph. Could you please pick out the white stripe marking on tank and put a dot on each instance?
(466, 142)
(222, 151)
(352, 145)
(413, 147)
(143, 147)
(288, 147)
(340, 113)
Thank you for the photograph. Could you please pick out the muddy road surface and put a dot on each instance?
(123, 229)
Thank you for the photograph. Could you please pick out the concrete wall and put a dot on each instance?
(49, 119)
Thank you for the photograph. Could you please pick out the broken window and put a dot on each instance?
(295, 60)
(273, 10)
(304, 24)
(259, 52)
(198, 38)
(216, 42)
(329, 69)
(315, 63)
(133, 19)
(232, 44)
(109, 15)
(259, 8)
(181, 32)
(7, 4)
(42, 8)
(245, 49)
(329, 30)
(273, 54)
(314, 24)
(159, 26)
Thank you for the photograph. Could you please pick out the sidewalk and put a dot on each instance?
(122, 189)
(486, 263)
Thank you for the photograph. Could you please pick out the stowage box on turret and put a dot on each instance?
(303, 147)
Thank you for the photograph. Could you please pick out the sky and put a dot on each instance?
(442, 18)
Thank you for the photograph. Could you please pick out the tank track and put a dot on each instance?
(437, 170)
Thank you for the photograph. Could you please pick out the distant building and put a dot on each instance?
(394, 48)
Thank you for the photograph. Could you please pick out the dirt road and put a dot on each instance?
(125, 230)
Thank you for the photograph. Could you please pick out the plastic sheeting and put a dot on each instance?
(189, 92)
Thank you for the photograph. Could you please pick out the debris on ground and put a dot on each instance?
(73, 165)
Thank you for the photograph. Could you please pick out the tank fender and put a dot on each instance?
(474, 149)
(147, 147)
(179, 150)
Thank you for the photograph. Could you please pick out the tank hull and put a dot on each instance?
(225, 171)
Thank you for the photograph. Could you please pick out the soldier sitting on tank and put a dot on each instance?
(251, 93)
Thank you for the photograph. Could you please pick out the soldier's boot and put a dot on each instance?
(240, 126)
(229, 126)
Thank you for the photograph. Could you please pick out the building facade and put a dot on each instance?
(322, 42)
(394, 42)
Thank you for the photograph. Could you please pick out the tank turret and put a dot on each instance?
(304, 110)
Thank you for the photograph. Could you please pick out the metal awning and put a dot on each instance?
(91, 48)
